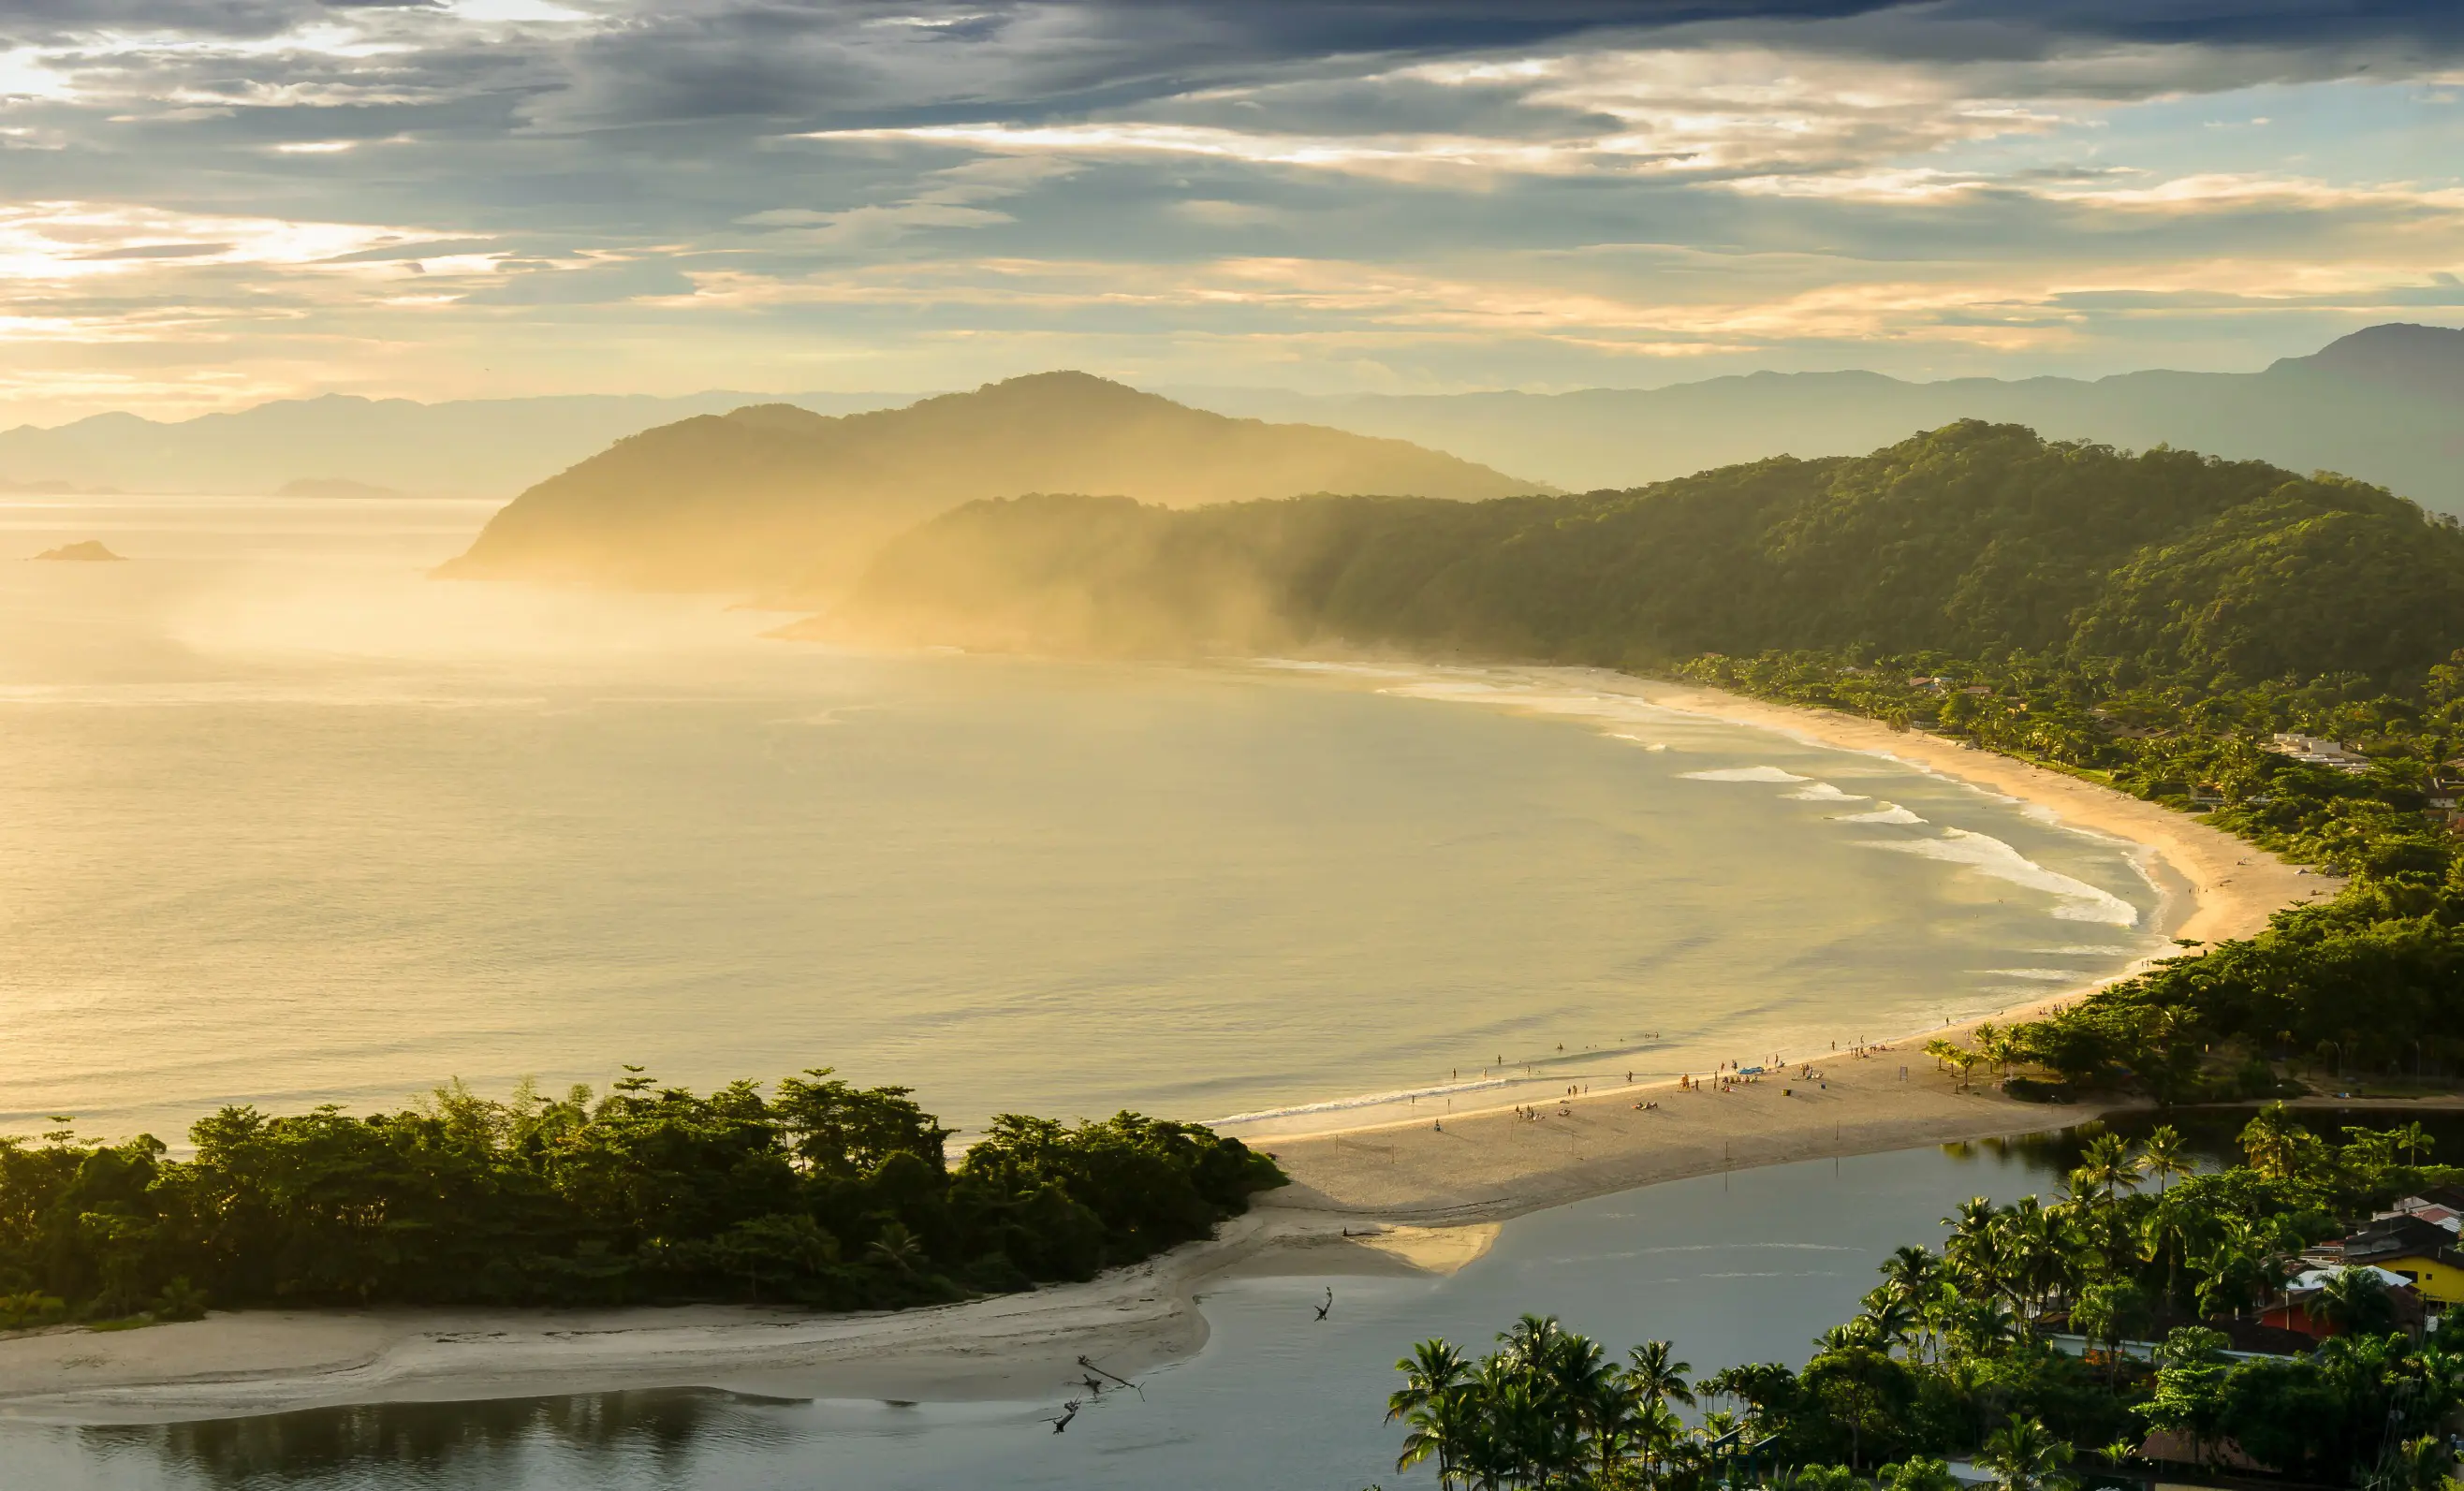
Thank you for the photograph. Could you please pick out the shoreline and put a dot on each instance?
(1423, 1196)
(1489, 1164)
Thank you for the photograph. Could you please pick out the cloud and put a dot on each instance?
(1452, 190)
(585, 284)
(952, 197)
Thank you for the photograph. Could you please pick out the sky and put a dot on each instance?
(205, 203)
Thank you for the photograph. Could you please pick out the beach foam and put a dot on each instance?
(1887, 813)
(1744, 773)
(2077, 900)
(1824, 792)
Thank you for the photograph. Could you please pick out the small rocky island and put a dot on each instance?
(90, 550)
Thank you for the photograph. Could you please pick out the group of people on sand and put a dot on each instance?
(1729, 1075)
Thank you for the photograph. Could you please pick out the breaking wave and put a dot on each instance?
(2076, 901)
(1744, 773)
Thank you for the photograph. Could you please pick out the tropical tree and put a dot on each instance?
(2232, 1273)
(2422, 1463)
(2190, 1397)
(2024, 1458)
(2109, 1165)
(2276, 1146)
(1916, 1473)
(1429, 1403)
(2354, 1300)
(2165, 1156)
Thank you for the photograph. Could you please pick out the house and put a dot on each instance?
(2319, 751)
(2441, 1205)
(2292, 1310)
(2415, 1248)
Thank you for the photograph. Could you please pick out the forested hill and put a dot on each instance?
(1971, 540)
(775, 498)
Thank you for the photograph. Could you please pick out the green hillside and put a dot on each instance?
(779, 500)
(1974, 540)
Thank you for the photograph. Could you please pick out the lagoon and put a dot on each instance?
(1732, 1268)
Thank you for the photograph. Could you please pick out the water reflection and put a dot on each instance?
(654, 1428)
(1734, 1268)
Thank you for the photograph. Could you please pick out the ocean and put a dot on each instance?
(285, 823)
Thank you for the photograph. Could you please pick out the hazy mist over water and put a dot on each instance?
(283, 821)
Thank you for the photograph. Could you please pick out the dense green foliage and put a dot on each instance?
(1953, 1354)
(1974, 540)
(823, 1194)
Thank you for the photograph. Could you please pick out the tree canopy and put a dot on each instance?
(822, 1194)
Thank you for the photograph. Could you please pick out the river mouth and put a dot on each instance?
(1746, 1266)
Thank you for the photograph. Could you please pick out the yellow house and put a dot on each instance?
(2421, 1251)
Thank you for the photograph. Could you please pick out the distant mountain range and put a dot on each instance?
(2385, 404)
(487, 447)
(782, 501)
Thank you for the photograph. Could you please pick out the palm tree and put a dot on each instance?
(2165, 1234)
(2166, 1157)
(2272, 1142)
(2108, 1166)
(2354, 1300)
(1441, 1429)
(1981, 1325)
(1888, 1319)
(1657, 1431)
(1914, 1275)
(1658, 1377)
(1595, 1395)
(1436, 1368)
(1974, 1251)
(1551, 1373)
(2413, 1139)
(1533, 1341)
(897, 1247)
(1909, 1271)
(2024, 1458)
(2230, 1273)
(2036, 1246)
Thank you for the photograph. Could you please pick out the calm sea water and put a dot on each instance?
(283, 821)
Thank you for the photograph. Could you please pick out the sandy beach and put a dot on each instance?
(1428, 1193)
(1493, 1164)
